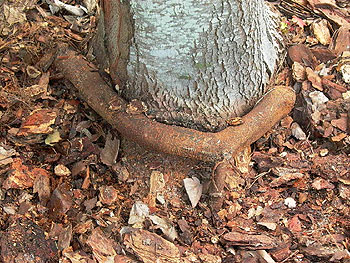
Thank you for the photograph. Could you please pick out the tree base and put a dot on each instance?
(132, 123)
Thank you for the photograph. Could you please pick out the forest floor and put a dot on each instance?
(72, 190)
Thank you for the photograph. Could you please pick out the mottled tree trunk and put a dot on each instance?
(194, 63)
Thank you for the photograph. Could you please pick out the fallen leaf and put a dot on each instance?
(109, 153)
(297, 132)
(138, 213)
(341, 123)
(320, 183)
(102, 247)
(65, 237)
(14, 14)
(186, 235)
(53, 138)
(108, 195)
(294, 224)
(329, 9)
(314, 78)
(62, 170)
(339, 137)
(167, 228)
(323, 54)
(285, 175)
(341, 40)
(60, 201)
(298, 21)
(269, 225)
(38, 122)
(42, 187)
(22, 176)
(250, 241)
(302, 54)
(157, 186)
(193, 189)
(321, 31)
(143, 243)
(6, 154)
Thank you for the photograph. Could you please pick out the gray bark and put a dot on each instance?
(193, 63)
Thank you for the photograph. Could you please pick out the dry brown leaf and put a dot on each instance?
(102, 247)
(62, 170)
(341, 40)
(152, 248)
(76, 256)
(294, 224)
(298, 71)
(285, 175)
(314, 78)
(321, 31)
(193, 189)
(250, 241)
(42, 187)
(339, 137)
(320, 183)
(60, 201)
(109, 153)
(5, 155)
(65, 237)
(331, 11)
(323, 54)
(22, 176)
(38, 122)
(157, 186)
(341, 123)
(302, 54)
(108, 195)
(14, 14)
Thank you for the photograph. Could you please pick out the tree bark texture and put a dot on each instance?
(193, 63)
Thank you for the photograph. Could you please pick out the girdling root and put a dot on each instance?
(174, 140)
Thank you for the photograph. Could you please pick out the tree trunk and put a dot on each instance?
(193, 63)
